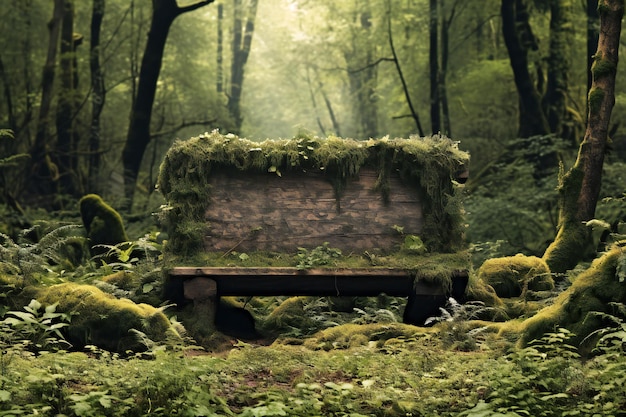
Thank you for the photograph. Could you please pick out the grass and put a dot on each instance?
(413, 375)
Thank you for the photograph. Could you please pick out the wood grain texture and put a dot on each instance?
(281, 213)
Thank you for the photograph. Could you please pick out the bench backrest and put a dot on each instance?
(224, 193)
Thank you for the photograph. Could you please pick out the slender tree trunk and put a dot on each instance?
(44, 171)
(163, 14)
(242, 42)
(219, 85)
(592, 36)
(433, 60)
(8, 97)
(98, 96)
(66, 107)
(445, 54)
(580, 187)
(554, 99)
(396, 61)
(518, 38)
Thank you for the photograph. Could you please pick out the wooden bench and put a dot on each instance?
(228, 196)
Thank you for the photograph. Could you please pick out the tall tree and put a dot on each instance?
(164, 12)
(44, 170)
(241, 44)
(66, 148)
(579, 188)
(519, 39)
(98, 95)
(433, 61)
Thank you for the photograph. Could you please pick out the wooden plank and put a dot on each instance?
(272, 213)
(243, 281)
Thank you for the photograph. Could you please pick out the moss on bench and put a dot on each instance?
(430, 165)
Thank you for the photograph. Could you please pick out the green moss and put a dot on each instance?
(350, 335)
(602, 68)
(428, 164)
(103, 320)
(511, 276)
(592, 290)
(289, 314)
(572, 236)
(596, 97)
(125, 280)
(104, 225)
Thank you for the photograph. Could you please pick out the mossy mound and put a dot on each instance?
(429, 164)
(105, 321)
(478, 290)
(125, 280)
(511, 276)
(288, 315)
(104, 225)
(352, 335)
(592, 291)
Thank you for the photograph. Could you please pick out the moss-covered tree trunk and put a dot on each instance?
(579, 188)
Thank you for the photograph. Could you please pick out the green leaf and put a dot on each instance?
(5, 396)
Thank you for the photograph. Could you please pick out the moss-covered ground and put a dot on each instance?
(392, 372)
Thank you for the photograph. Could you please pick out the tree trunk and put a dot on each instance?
(219, 85)
(8, 97)
(45, 173)
(396, 61)
(242, 41)
(518, 38)
(433, 61)
(163, 14)
(98, 96)
(579, 188)
(558, 64)
(66, 107)
(592, 37)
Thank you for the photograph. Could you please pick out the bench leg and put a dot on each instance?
(421, 307)
(203, 293)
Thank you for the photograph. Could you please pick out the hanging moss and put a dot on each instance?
(429, 164)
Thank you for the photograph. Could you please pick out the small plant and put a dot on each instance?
(28, 259)
(38, 328)
(612, 339)
(321, 255)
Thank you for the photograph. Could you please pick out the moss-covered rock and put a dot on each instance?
(592, 291)
(351, 335)
(478, 290)
(510, 276)
(103, 320)
(104, 225)
(288, 315)
(125, 280)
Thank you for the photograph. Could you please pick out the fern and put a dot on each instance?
(28, 259)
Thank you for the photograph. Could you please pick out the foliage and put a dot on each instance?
(58, 249)
(321, 255)
(38, 328)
